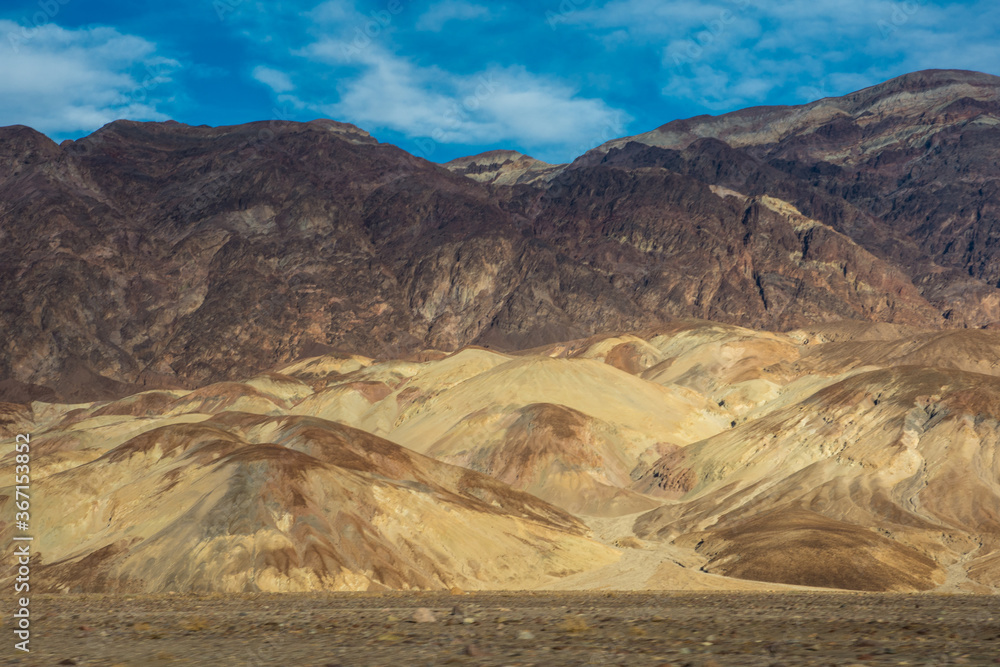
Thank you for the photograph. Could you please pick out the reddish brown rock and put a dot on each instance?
(160, 255)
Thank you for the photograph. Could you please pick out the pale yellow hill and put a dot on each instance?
(899, 464)
(200, 507)
(569, 430)
(561, 455)
(704, 456)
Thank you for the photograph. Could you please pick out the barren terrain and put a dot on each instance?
(543, 629)
(694, 456)
(162, 255)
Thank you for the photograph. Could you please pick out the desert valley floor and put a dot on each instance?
(518, 629)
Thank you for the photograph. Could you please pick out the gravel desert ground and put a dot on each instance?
(517, 628)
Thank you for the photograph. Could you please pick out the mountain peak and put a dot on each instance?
(349, 131)
(927, 94)
(923, 90)
(940, 77)
(153, 130)
(502, 167)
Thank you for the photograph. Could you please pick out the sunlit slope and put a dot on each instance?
(577, 462)
(246, 502)
(844, 455)
(887, 478)
(568, 430)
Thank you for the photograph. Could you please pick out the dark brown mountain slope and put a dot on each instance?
(910, 169)
(678, 248)
(159, 254)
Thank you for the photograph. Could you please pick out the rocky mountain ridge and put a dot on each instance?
(163, 255)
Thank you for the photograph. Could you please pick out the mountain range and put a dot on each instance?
(160, 255)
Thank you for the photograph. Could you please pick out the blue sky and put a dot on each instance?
(445, 78)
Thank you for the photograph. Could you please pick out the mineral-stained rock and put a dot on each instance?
(160, 255)
(244, 502)
(907, 168)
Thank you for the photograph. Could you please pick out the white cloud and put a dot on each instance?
(727, 54)
(501, 104)
(63, 81)
(384, 90)
(277, 81)
(435, 18)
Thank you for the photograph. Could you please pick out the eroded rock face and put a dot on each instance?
(162, 255)
(907, 168)
(503, 168)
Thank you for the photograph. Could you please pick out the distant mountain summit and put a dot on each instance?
(502, 167)
(947, 97)
(166, 255)
(918, 154)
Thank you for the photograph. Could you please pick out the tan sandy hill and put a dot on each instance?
(745, 383)
(886, 480)
(701, 455)
(568, 430)
(243, 502)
